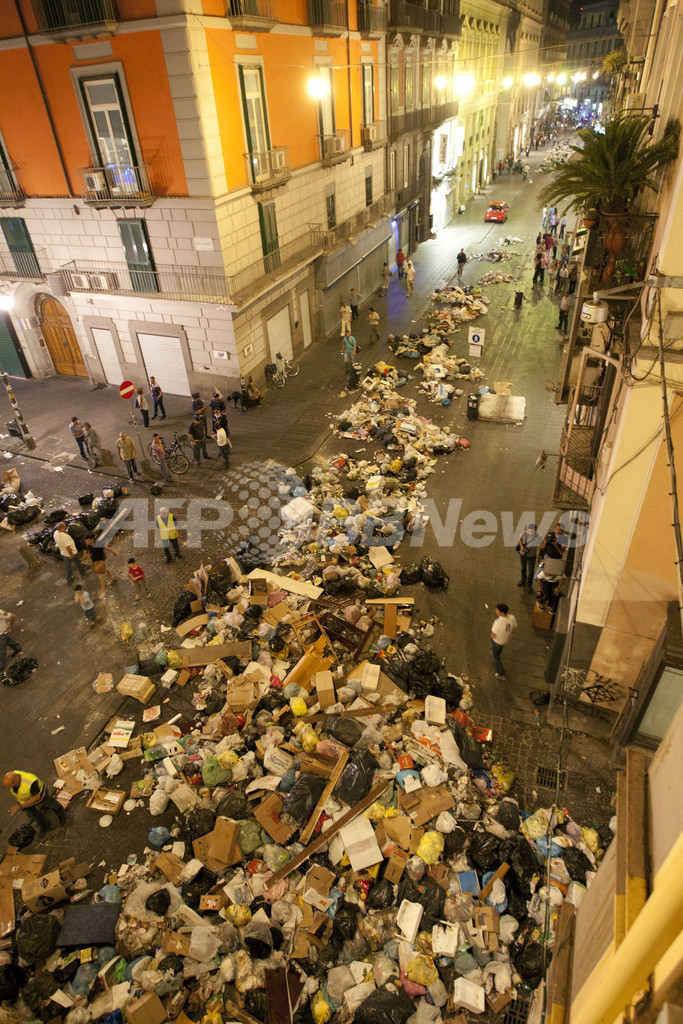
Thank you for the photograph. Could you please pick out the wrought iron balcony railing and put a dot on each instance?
(116, 185)
(405, 17)
(269, 267)
(268, 169)
(371, 19)
(327, 17)
(22, 265)
(11, 192)
(252, 15)
(73, 19)
(191, 283)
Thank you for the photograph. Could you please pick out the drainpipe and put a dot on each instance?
(45, 101)
(348, 74)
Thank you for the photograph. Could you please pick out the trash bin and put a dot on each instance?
(473, 407)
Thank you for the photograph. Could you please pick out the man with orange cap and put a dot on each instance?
(31, 795)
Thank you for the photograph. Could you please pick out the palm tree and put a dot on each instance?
(610, 168)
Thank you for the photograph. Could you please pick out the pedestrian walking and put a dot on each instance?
(83, 598)
(94, 444)
(461, 260)
(157, 398)
(386, 274)
(222, 436)
(128, 453)
(345, 317)
(400, 260)
(197, 433)
(199, 408)
(66, 546)
(78, 434)
(142, 407)
(563, 319)
(6, 624)
(159, 455)
(563, 225)
(553, 268)
(544, 216)
(500, 167)
(98, 558)
(562, 279)
(353, 303)
(573, 277)
(410, 276)
(527, 549)
(168, 532)
(138, 579)
(502, 629)
(32, 797)
(348, 350)
(539, 269)
(373, 320)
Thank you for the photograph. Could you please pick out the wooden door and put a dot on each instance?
(60, 338)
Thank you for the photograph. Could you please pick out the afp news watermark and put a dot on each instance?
(200, 520)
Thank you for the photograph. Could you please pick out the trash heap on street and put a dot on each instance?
(463, 306)
(495, 277)
(331, 834)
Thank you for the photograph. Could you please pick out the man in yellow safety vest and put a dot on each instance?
(168, 532)
(31, 795)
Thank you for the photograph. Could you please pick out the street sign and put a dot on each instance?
(127, 389)
(477, 335)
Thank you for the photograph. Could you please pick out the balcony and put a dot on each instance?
(266, 270)
(329, 239)
(373, 135)
(69, 20)
(181, 283)
(333, 148)
(11, 192)
(436, 115)
(408, 194)
(372, 19)
(252, 15)
(405, 17)
(22, 266)
(268, 169)
(615, 244)
(327, 17)
(116, 185)
(451, 25)
(400, 124)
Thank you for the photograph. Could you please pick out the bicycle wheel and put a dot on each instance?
(178, 463)
(279, 379)
(152, 454)
(291, 367)
(187, 450)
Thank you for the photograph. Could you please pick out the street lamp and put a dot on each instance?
(463, 84)
(440, 82)
(507, 83)
(318, 88)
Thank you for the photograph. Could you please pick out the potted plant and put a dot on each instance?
(590, 217)
(608, 171)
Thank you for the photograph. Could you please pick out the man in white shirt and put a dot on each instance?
(64, 543)
(502, 629)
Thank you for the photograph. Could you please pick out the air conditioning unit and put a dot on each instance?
(95, 181)
(103, 282)
(362, 218)
(336, 144)
(79, 281)
(278, 161)
(369, 134)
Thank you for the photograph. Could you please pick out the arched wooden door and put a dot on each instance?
(60, 338)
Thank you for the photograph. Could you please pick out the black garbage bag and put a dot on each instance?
(158, 902)
(523, 864)
(173, 963)
(356, 779)
(256, 1003)
(388, 1005)
(233, 805)
(214, 703)
(201, 883)
(340, 586)
(410, 574)
(451, 691)
(37, 994)
(303, 796)
(12, 980)
(508, 814)
(78, 532)
(433, 574)
(345, 730)
(577, 864)
(271, 701)
(19, 671)
(57, 515)
(427, 893)
(517, 904)
(37, 937)
(21, 516)
(258, 939)
(198, 823)
(529, 964)
(426, 662)
(470, 749)
(89, 519)
(22, 837)
(156, 490)
(381, 896)
(181, 607)
(220, 580)
(454, 842)
(9, 500)
(108, 508)
(484, 851)
(345, 924)
(539, 698)
(86, 499)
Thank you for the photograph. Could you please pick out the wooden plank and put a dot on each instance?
(559, 974)
(501, 871)
(313, 820)
(239, 1014)
(636, 833)
(325, 836)
(390, 620)
(378, 709)
(391, 600)
(620, 868)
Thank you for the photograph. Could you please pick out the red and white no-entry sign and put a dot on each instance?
(127, 389)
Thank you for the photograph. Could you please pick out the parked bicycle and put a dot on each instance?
(278, 374)
(179, 454)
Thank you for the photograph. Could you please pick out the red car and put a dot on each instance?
(496, 211)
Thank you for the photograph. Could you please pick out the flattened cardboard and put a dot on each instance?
(426, 803)
(223, 842)
(290, 585)
(402, 831)
(324, 687)
(393, 871)
(174, 942)
(169, 865)
(194, 622)
(268, 816)
(317, 888)
(7, 919)
(44, 892)
(197, 656)
(70, 871)
(148, 1009)
(18, 868)
(213, 901)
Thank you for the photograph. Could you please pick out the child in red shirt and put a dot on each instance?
(137, 575)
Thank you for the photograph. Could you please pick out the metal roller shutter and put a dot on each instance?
(10, 360)
(104, 343)
(280, 335)
(163, 358)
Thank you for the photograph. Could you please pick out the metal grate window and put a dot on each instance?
(547, 777)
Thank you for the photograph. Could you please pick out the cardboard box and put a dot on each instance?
(169, 865)
(324, 687)
(393, 872)
(468, 995)
(426, 803)
(258, 590)
(360, 844)
(486, 918)
(498, 1000)
(148, 1009)
(44, 892)
(70, 871)
(317, 888)
(223, 845)
(213, 901)
(121, 734)
(106, 801)
(139, 687)
(73, 761)
(402, 831)
(268, 816)
(174, 942)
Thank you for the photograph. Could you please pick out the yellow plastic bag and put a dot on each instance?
(298, 706)
(503, 776)
(430, 849)
(227, 758)
(320, 1008)
(126, 631)
(237, 915)
(422, 971)
(173, 660)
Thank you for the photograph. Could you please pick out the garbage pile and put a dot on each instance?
(441, 364)
(336, 838)
(496, 277)
(493, 255)
(79, 526)
(464, 306)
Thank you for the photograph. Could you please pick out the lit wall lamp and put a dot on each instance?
(507, 83)
(318, 87)
(440, 81)
(463, 84)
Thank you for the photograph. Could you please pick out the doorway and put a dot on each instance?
(60, 338)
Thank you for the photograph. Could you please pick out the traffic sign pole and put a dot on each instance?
(126, 391)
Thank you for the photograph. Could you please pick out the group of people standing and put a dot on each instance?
(563, 272)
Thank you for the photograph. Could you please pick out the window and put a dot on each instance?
(20, 246)
(254, 109)
(331, 209)
(368, 188)
(326, 124)
(393, 87)
(367, 72)
(392, 170)
(269, 240)
(409, 82)
(426, 83)
(138, 255)
(109, 125)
